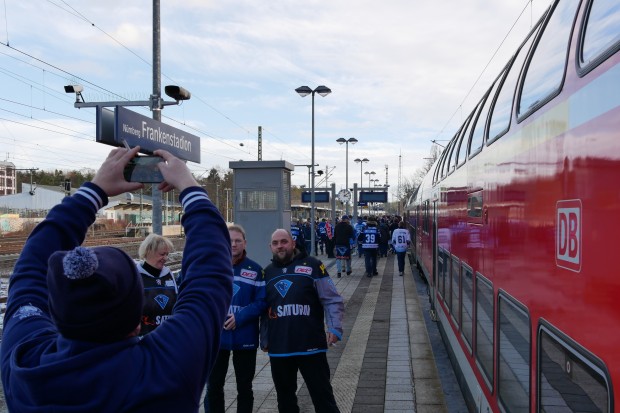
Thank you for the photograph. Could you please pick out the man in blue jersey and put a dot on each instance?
(370, 238)
(240, 333)
(359, 228)
(299, 293)
(298, 235)
(71, 326)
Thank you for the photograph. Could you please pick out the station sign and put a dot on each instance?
(321, 196)
(122, 124)
(373, 196)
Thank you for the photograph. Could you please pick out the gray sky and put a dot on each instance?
(402, 73)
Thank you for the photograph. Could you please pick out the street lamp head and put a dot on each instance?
(361, 160)
(352, 140)
(341, 140)
(303, 91)
(323, 90)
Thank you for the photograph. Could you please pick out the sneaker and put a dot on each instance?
(400, 273)
(368, 274)
(375, 273)
(339, 275)
(349, 272)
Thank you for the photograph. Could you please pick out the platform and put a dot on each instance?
(391, 358)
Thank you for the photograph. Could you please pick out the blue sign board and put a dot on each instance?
(149, 133)
(373, 196)
(318, 196)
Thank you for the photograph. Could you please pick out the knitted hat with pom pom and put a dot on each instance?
(95, 294)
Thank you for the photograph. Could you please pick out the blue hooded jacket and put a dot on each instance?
(166, 371)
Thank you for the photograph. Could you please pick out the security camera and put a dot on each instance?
(177, 92)
(74, 88)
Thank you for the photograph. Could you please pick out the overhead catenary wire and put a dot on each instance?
(459, 108)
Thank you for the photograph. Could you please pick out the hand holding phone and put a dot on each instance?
(144, 169)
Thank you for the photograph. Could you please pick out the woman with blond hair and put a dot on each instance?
(160, 287)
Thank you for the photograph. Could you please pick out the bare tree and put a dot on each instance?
(409, 185)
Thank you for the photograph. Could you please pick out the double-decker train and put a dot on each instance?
(516, 225)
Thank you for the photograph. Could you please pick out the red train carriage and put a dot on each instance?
(516, 224)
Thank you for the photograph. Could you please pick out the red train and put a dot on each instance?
(515, 225)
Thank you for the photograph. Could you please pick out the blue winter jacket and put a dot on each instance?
(166, 371)
(248, 303)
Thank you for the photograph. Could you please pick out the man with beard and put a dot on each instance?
(301, 297)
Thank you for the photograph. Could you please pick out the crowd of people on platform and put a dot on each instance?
(90, 329)
(371, 236)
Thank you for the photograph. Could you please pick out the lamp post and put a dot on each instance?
(369, 176)
(304, 91)
(361, 162)
(352, 141)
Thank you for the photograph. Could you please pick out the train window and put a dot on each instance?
(514, 356)
(445, 161)
(426, 222)
(464, 140)
(602, 32)
(455, 142)
(477, 137)
(570, 379)
(545, 71)
(441, 263)
(474, 206)
(455, 303)
(502, 110)
(484, 327)
(467, 309)
(439, 165)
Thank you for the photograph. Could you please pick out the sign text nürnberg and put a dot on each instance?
(151, 134)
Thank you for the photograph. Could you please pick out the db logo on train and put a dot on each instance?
(568, 235)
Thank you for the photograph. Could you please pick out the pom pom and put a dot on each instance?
(80, 263)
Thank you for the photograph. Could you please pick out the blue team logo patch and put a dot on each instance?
(283, 287)
(236, 289)
(162, 300)
(27, 311)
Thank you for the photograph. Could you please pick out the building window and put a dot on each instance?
(252, 200)
(514, 356)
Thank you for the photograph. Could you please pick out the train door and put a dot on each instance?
(433, 283)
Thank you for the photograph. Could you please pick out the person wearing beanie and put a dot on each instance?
(72, 321)
(160, 286)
